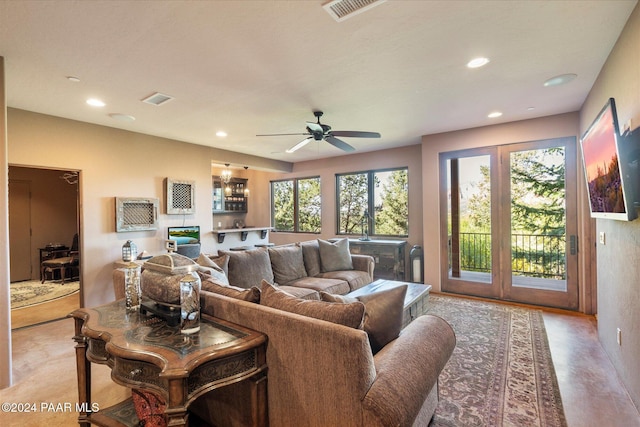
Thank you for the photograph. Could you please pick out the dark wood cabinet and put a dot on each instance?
(389, 256)
(230, 197)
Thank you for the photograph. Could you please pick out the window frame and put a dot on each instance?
(370, 201)
(296, 203)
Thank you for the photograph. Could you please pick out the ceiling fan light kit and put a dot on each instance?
(319, 131)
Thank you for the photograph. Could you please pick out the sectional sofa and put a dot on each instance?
(324, 367)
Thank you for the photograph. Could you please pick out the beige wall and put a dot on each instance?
(118, 163)
(514, 132)
(5, 296)
(328, 168)
(618, 262)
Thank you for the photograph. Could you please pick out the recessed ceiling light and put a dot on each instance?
(494, 114)
(122, 117)
(477, 62)
(560, 80)
(221, 134)
(73, 79)
(95, 102)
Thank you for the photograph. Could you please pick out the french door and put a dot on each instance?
(508, 222)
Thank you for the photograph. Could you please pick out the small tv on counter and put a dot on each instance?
(184, 235)
(606, 171)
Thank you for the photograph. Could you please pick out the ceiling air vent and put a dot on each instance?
(157, 99)
(343, 9)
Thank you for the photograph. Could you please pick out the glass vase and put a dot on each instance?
(190, 303)
(132, 290)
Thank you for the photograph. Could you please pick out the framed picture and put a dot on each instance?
(181, 197)
(136, 214)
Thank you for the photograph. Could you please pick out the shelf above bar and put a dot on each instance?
(222, 232)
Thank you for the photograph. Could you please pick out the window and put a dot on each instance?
(295, 205)
(373, 202)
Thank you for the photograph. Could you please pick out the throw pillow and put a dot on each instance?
(248, 268)
(350, 315)
(383, 314)
(208, 266)
(252, 294)
(311, 255)
(221, 261)
(287, 263)
(335, 256)
(205, 261)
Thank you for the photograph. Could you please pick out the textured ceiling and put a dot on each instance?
(255, 67)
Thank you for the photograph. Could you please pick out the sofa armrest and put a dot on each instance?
(407, 370)
(319, 371)
(364, 263)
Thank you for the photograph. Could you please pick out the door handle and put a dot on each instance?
(573, 244)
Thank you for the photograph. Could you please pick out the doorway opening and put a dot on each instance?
(44, 223)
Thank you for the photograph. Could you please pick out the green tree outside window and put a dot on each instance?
(296, 205)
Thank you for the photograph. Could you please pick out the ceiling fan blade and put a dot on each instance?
(299, 145)
(338, 143)
(355, 134)
(282, 134)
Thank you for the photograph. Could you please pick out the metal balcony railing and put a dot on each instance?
(532, 255)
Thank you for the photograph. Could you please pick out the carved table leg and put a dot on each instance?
(176, 411)
(83, 367)
(259, 406)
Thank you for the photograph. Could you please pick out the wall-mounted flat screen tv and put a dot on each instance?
(609, 194)
(185, 235)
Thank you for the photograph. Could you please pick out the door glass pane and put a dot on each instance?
(469, 218)
(218, 197)
(538, 219)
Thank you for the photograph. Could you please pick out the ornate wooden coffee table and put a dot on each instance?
(415, 301)
(145, 353)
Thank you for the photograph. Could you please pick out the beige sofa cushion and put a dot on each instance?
(287, 263)
(252, 294)
(303, 293)
(350, 314)
(333, 286)
(355, 278)
(383, 314)
(335, 256)
(249, 268)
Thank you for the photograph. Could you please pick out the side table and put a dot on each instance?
(389, 256)
(144, 352)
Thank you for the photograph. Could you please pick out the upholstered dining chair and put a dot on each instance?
(62, 264)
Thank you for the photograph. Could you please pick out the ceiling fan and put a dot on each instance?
(318, 131)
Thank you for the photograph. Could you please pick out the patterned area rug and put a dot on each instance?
(501, 372)
(33, 292)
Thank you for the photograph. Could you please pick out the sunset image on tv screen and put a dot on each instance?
(601, 166)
